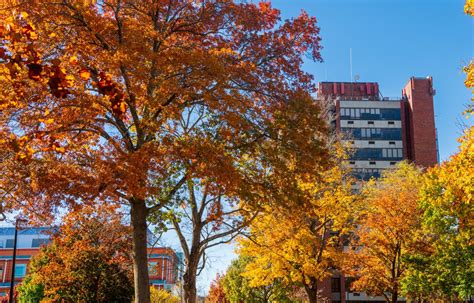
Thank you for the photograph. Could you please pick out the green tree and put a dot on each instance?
(237, 288)
(446, 199)
(30, 292)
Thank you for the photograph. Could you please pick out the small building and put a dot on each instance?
(163, 261)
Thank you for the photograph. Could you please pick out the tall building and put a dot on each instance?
(163, 262)
(382, 131)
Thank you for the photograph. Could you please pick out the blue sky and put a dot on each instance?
(391, 41)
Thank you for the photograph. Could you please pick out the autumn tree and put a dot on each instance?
(237, 288)
(203, 218)
(389, 232)
(446, 200)
(162, 296)
(92, 94)
(303, 245)
(216, 291)
(87, 261)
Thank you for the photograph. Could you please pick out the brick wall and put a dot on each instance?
(420, 131)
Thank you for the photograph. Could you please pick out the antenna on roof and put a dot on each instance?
(350, 62)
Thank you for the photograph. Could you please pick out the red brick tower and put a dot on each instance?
(419, 128)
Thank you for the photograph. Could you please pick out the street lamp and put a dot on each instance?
(12, 281)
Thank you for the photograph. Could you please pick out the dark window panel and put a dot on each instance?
(370, 114)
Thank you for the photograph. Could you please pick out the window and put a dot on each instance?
(39, 242)
(335, 284)
(370, 122)
(371, 113)
(152, 268)
(350, 122)
(20, 270)
(391, 142)
(391, 122)
(374, 133)
(371, 142)
(9, 243)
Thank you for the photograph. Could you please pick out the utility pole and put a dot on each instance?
(11, 295)
(12, 280)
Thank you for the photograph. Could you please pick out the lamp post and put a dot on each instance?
(12, 280)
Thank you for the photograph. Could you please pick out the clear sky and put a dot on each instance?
(391, 41)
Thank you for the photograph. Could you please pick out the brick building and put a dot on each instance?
(164, 263)
(384, 131)
(381, 131)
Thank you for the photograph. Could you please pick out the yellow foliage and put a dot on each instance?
(389, 231)
(162, 296)
(302, 244)
(469, 7)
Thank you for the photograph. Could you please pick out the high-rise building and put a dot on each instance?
(382, 131)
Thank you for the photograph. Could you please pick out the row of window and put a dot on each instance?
(366, 173)
(377, 154)
(373, 133)
(20, 271)
(34, 243)
(370, 114)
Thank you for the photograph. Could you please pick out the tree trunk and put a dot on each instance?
(312, 292)
(140, 254)
(395, 296)
(189, 287)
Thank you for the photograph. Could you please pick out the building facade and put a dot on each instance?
(163, 261)
(164, 267)
(29, 242)
(381, 131)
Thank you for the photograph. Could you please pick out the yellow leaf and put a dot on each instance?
(73, 60)
(84, 74)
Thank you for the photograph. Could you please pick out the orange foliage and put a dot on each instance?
(88, 259)
(391, 231)
(120, 101)
(216, 291)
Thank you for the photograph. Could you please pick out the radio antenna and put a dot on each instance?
(350, 60)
